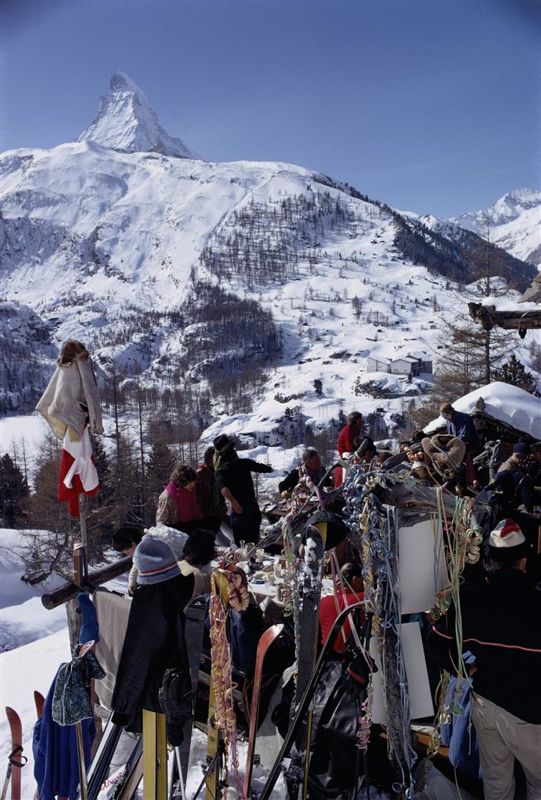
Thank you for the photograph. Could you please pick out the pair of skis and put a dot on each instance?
(216, 745)
(16, 759)
(303, 706)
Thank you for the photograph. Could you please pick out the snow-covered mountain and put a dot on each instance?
(127, 122)
(196, 275)
(513, 223)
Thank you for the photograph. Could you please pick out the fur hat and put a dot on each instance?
(155, 561)
(446, 453)
(506, 542)
(222, 443)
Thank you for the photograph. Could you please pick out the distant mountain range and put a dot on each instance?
(188, 273)
(513, 223)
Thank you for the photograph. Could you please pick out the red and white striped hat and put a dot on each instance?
(507, 542)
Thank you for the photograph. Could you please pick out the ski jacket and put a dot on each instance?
(71, 397)
(347, 441)
(517, 488)
(463, 428)
(211, 502)
(154, 641)
(293, 477)
(235, 475)
(54, 746)
(501, 628)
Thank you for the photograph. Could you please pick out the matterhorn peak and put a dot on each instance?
(127, 122)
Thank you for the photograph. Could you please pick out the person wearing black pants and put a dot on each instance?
(234, 479)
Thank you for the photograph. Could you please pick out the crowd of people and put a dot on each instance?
(500, 612)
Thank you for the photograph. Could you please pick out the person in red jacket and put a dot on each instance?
(351, 591)
(349, 440)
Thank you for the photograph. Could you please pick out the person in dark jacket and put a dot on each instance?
(460, 425)
(154, 638)
(234, 479)
(501, 628)
(310, 467)
(210, 499)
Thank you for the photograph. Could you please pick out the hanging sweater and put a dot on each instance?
(71, 397)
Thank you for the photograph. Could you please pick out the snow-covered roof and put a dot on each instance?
(505, 403)
(380, 359)
(503, 304)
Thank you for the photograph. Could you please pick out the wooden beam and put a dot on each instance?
(513, 319)
(69, 590)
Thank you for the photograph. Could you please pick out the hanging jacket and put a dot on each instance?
(56, 766)
(150, 647)
(71, 397)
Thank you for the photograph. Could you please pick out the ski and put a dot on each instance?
(99, 768)
(125, 787)
(39, 700)
(305, 701)
(266, 641)
(16, 759)
(311, 577)
(133, 780)
(195, 614)
(154, 756)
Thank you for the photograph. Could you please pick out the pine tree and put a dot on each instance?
(13, 491)
(470, 355)
(515, 373)
(159, 466)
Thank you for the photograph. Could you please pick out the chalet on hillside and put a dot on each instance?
(411, 364)
(378, 364)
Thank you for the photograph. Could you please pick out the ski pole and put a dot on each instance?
(6, 782)
(180, 775)
(208, 770)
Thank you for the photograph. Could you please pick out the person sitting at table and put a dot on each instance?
(310, 467)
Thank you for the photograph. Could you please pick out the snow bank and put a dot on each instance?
(24, 670)
(23, 618)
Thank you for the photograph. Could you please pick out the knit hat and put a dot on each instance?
(521, 448)
(506, 542)
(155, 561)
(222, 443)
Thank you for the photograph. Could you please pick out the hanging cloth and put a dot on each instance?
(71, 699)
(78, 473)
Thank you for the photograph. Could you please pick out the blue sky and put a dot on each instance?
(428, 105)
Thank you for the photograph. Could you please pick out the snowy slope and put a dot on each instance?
(113, 244)
(514, 223)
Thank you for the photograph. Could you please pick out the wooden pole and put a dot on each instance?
(69, 590)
